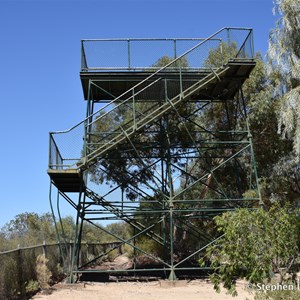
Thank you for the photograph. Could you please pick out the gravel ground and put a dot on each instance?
(196, 289)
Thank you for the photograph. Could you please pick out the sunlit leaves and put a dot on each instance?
(284, 54)
(255, 244)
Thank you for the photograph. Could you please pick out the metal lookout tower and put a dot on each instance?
(165, 146)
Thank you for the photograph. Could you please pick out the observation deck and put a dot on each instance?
(112, 67)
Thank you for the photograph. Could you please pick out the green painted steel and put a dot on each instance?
(156, 125)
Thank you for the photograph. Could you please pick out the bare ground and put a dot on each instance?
(196, 289)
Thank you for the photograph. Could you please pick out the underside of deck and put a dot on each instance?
(107, 85)
(68, 181)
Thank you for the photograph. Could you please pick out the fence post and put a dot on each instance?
(70, 256)
(120, 250)
(44, 249)
(87, 251)
(20, 272)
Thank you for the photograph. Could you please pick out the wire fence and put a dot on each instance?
(18, 266)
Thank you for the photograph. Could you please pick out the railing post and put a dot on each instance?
(50, 152)
(83, 58)
(251, 43)
(128, 52)
(175, 50)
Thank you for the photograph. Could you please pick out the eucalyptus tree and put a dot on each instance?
(284, 54)
(284, 68)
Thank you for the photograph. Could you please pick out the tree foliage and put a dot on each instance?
(284, 54)
(165, 60)
(254, 245)
(27, 229)
(221, 55)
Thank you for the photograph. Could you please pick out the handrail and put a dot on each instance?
(129, 41)
(84, 66)
(56, 244)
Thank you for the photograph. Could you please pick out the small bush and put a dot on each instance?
(32, 287)
(42, 272)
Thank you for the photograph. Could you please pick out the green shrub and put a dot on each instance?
(32, 287)
(255, 244)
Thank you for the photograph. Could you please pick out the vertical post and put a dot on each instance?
(163, 227)
(44, 249)
(128, 53)
(87, 251)
(228, 36)
(20, 279)
(86, 124)
(252, 43)
(120, 250)
(80, 256)
(77, 234)
(122, 195)
(134, 251)
(80, 232)
(55, 226)
(50, 163)
(70, 257)
(83, 58)
(175, 49)
(253, 162)
(172, 275)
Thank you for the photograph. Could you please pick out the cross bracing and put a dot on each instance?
(170, 138)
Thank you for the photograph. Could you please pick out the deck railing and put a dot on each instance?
(132, 54)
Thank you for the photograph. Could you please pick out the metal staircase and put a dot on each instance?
(121, 215)
(151, 117)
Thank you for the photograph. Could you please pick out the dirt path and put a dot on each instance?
(197, 289)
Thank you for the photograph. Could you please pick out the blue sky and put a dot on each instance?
(40, 60)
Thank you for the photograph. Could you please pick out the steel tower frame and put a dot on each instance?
(172, 139)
